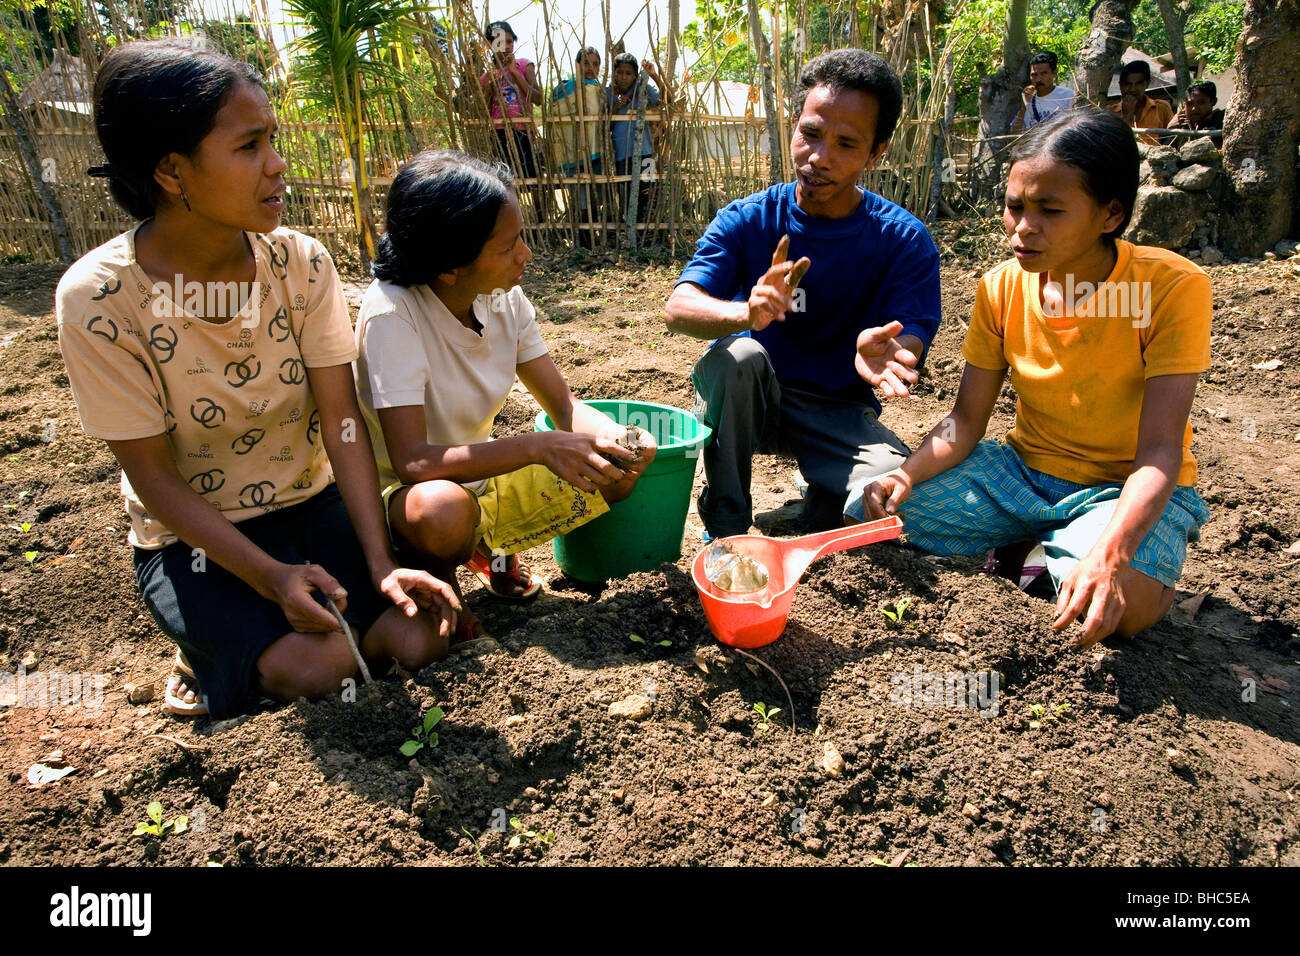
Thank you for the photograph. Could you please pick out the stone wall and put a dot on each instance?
(1178, 199)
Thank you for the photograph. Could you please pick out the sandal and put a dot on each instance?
(516, 575)
(469, 630)
(174, 701)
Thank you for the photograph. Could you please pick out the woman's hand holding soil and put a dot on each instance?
(580, 459)
(883, 497)
(1091, 591)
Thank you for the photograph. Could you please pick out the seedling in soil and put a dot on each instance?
(422, 734)
(155, 826)
(31, 557)
(1038, 713)
(877, 861)
(895, 613)
(22, 528)
(765, 715)
(546, 838)
(474, 840)
(648, 647)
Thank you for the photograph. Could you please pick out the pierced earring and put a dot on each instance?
(185, 199)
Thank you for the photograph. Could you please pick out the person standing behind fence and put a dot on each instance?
(1135, 107)
(623, 99)
(1043, 98)
(579, 104)
(511, 87)
(1198, 112)
(794, 369)
(231, 408)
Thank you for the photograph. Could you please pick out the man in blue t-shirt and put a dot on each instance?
(817, 292)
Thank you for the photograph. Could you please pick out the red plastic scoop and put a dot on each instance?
(756, 618)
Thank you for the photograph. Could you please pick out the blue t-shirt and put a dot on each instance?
(868, 269)
(622, 132)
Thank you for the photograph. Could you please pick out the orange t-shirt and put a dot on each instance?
(1080, 379)
(1157, 114)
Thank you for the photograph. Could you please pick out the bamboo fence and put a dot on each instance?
(707, 153)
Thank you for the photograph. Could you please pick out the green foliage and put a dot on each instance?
(422, 734)
(1039, 713)
(648, 647)
(521, 834)
(1214, 31)
(765, 715)
(896, 612)
(155, 826)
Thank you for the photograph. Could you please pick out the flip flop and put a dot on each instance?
(173, 703)
(468, 631)
(516, 571)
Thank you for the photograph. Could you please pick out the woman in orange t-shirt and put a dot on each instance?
(1104, 341)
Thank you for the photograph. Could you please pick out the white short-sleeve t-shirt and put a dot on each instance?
(412, 351)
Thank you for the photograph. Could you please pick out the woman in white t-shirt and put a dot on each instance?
(212, 351)
(442, 334)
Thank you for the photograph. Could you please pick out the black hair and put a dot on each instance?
(854, 70)
(1047, 56)
(491, 29)
(584, 51)
(1206, 87)
(152, 98)
(623, 58)
(1136, 66)
(442, 208)
(1099, 144)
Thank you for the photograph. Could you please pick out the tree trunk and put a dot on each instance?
(1000, 101)
(774, 130)
(1175, 14)
(1112, 32)
(27, 147)
(1262, 131)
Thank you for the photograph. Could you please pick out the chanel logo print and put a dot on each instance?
(313, 426)
(110, 287)
(315, 265)
(206, 482)
(170, 420)
(165, 347)
(244, 372)
(207, 413)
(304, 480)
(279, 258)
(257, 495)
(97, 325)
(279, 326)
(247, 441)
(291, 372)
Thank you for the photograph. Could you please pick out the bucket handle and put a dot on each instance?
(841, 539)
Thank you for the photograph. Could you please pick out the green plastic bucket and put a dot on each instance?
(645, 529)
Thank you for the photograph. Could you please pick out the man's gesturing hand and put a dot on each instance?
(883, 362)
(774, 295)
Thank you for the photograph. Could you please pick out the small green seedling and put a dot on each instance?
(647, 647)
(1037, 714)
(24, 527)
(30, 556)
(765, 715)
(422, 734)
(155, 826)
(547, 838)
(474, 840)
(895, 613)
(877, 861)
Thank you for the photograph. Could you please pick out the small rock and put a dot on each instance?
(139, 693)
(1103, 800)
(1211, 256)
(832, 763)
(814, 845)
(1271, 365)
(1177, 759)
(29, 661)
(618, 795)
(514, 720)
(1200, 150)
(972, 812)
(769, 800)
(1286, 248)
(632, 707)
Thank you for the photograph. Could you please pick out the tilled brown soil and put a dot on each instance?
(1177, 747)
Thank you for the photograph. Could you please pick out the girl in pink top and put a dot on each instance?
(511, 83)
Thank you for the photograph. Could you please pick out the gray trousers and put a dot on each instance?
(837, 443)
